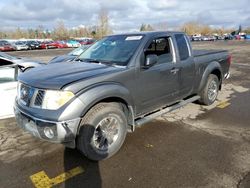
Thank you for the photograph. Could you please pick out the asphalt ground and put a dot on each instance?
(195, 146)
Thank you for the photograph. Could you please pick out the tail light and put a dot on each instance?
(229, 59)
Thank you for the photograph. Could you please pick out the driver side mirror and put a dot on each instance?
(151, 59)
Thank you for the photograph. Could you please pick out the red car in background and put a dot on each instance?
(53, 44)
(47, 45)
(86, 41)
(60, 44)
(6, 46)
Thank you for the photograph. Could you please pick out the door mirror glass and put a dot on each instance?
(150, 60)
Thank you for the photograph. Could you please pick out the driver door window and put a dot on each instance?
(161, 48)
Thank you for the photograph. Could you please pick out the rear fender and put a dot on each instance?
(213, 67)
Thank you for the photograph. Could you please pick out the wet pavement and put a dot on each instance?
(194, 146)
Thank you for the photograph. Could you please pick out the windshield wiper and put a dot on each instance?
(109, 63)
(93, 61)
(78, 59)
(88, 60)
(97, 61)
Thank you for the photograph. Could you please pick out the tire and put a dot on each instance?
(210, 92)
(95, 139)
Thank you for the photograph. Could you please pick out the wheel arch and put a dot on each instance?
(213, 68)
(218, 73)
(109, 93)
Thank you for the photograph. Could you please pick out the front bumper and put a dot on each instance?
(57, 132)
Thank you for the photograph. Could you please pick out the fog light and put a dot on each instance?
(49, 133)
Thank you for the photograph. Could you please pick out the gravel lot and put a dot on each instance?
(41, 55)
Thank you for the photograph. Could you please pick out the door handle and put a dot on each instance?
(174, 70)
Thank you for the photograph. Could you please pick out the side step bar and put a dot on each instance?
(150, 117)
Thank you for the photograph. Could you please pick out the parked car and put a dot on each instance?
(21, 45)
(70, 56)
(208, 38)
(48, 45)
(86, 41)
(196, 38)
(220, 37)
(23, 63)
(6, 46)
(119, 83)
(248, 37)
(8, 88)
(228, 37)
(33, 45)
(10, 68)
(60, 44)
(73, 44)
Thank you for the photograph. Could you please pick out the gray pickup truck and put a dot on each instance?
(117, 84)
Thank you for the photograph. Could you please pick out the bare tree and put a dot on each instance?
(60, 31)
(205, 30)
(247, 30)
(143, 27)
(40, 32)
(219, 31)
(103, 27)
(146, 27)
(191, 28)
(18, 33)
(3, 35)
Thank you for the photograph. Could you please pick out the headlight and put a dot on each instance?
(55, 99)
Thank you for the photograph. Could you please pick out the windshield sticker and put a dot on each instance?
(134, 38)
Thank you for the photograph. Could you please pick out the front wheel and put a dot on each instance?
(210, 91)
(102, 132)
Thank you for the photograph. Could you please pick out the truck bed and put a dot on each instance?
(197, 53)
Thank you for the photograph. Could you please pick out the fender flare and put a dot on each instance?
(104, 91)
(214, 66)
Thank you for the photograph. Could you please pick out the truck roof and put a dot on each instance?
(149, 33)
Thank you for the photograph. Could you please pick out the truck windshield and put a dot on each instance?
(113, 50)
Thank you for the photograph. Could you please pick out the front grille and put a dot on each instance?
(39, 98)
(30, 96)
(26, 94)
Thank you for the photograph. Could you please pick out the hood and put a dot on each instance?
(62, 58)
(55, 76)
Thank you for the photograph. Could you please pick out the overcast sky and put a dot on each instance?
(125, 15)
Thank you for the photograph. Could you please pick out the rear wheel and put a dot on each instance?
(102, 132)
(210, 92)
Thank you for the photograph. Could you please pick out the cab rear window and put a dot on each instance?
(182, 46)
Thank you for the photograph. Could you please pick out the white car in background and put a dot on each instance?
(23, 63)
(73, 44)
(8, 87)
(21, 45)
(10, 67)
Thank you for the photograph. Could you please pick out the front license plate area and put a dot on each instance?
(26, 123)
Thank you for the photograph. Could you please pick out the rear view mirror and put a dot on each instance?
(150, 60)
